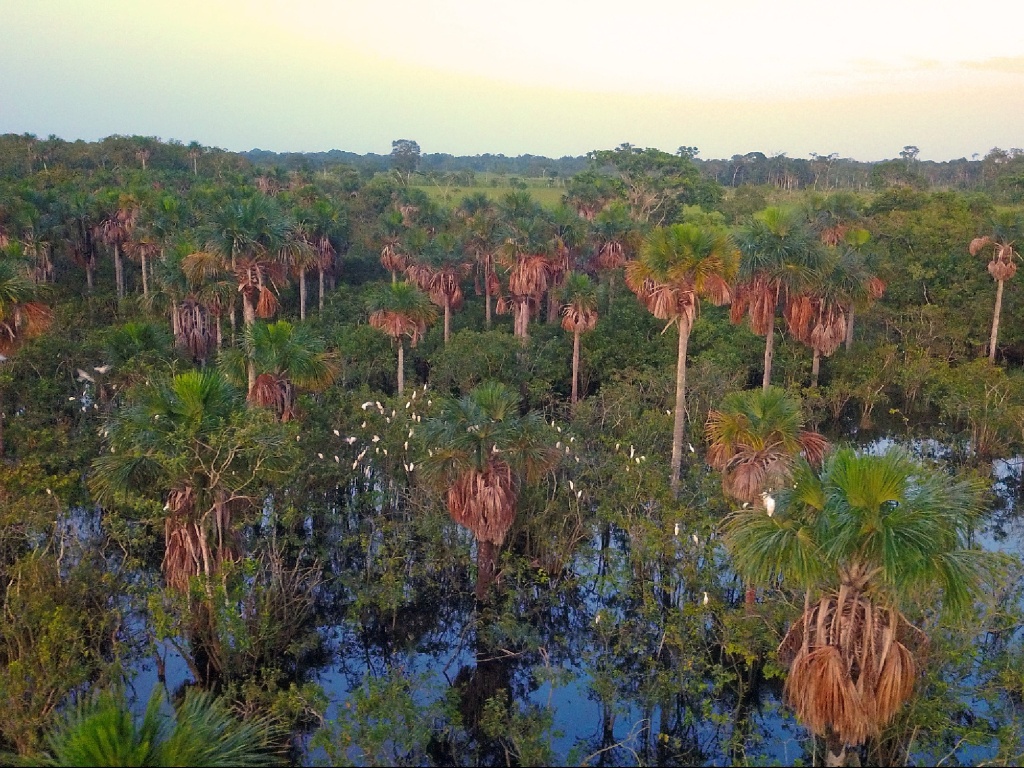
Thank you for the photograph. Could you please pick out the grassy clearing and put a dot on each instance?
(549, 197)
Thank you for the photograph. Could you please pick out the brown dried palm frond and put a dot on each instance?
(493, 284)
(876, 288)
(201, 266)
(484, 502)
(611, 255)
(396, 325)
(834, 235)
(1003, 268)
(798, 313)
(749, 471)
(850, 670)
(576, 319)
(408, 212)
(814, 446)
(419, 274)
(390, 258)
(978, 243)
(529, 276)
(267, 305)
(502, 306)
(193, 329)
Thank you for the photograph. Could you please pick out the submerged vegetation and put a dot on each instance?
(680, 462)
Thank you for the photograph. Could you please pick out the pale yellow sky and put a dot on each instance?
(546, 77)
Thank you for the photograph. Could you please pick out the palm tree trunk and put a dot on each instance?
(302, 293)
(487, 302)
(486, 557)
(995, 322)
(145, 282)
(1, 426)
(815, 367)
(611, 291)
(394, 277)
(849, 329)
(88, 277)
(249, 316)
(118, 272)
(233, 321)
(552, 307)
(447, 318)
(769, 354)
(321, 289)
(680, 412)
(401, 366)
(575, 365)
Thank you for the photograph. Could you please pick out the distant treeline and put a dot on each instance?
(1000, 172)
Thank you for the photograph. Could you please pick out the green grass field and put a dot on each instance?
(547, 196)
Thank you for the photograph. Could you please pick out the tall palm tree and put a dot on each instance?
(195, 150)
(298, 255)
(616, 238)
(482, 241)
(116, 229)
(483, 450)
(568, 235)
(142, 246)
(678, 266)
(579, 315)
(817, 317)
(102, 730)
(780, 256)
(20, 316)
(524, 254)
(401, 311)
(1007, 229)
(189, 442)
(392, 254)
(285, 357)
(326, 228)
(439, 272)
(870, 535)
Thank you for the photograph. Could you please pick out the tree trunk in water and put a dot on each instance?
(302, 293)
(769, 354)
(486, 559)
(575, 366)
(401, 366)
(680, 412)
(447, 318)
(321, 291)
(815, 367)
(995, 322)
(145, 282)
(849, 329)
(118, 272)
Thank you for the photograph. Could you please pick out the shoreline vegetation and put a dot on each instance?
(413, 459)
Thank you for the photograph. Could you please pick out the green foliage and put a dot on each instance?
(100, 730)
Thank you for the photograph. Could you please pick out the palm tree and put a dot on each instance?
(142, 245)
(483, 450)
(816, 317)
(20, 316)
(568, 234)
(1006, 230)
(615, 239)
(190, 442)
(579, 315)
(195, 149)
(326, 227)
(482, 241)
(285, 357)
(439, 272)
(678, 266)
(115, 231)
(392, 256)
(870, 534)
(524, 253)
(298, 255)
(755, 438)
(779, 258)
(102, 730)
(401, 310)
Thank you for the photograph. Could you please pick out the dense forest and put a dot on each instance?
(631, 458)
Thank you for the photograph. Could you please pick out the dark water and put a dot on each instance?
(588, 650)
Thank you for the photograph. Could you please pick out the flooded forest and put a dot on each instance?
(656, 461)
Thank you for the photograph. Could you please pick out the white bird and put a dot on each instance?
(637, 459)
(385, 451)
(355, 464)
(410, 433)
(101, 369)
(337, 433)
(579, 494)
(350, 440)
(364, 425)
(632, 450)
(430, 402)
(676, 531)
(376, 439)
(769, 505)
(412, 467)
(495, 449)
(572, 439)
(643, 458)
(669, 413)
(617, 446)
(408, 404)
(83, 376)
(705, 601)
(393, 412)
(360, 456)
(379, 406)
(746, 504)
(567, 450)
(367, 404)
(571, 486)
(49, 492)
(577, 459)
(406, 447)
(320, 455)
(691, 447)
(695, 539)
(71, 398)
(597, 619)
(558, 445)
(297, 438)
(387, 419)
(559, 430)
(337, 460)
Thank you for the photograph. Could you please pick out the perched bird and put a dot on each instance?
(705, 601)
(675, 531)
(769, 504)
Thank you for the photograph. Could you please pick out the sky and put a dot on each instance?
(544, 77)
